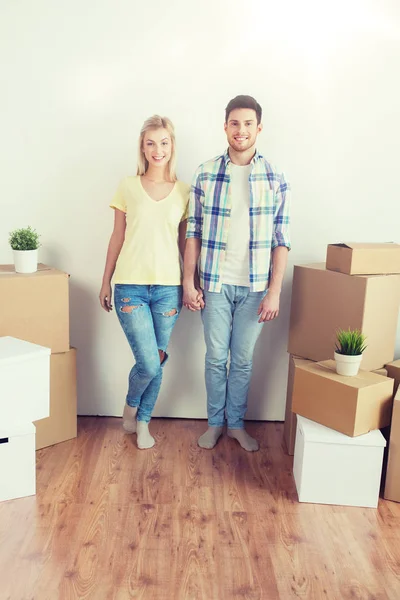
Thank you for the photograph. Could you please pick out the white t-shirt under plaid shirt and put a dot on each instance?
(210, 211)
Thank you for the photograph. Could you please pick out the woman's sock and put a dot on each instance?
(129, 418)
(144, 438)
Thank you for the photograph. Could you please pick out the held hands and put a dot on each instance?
(105, 297)
(269, 307)
(193, 298)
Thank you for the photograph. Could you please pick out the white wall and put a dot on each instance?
(79, 78)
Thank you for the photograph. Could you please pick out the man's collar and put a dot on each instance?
(227, 159)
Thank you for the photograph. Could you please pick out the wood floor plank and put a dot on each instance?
(176, 522)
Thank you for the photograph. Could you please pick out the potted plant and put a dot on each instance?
(350, 345)
(25, 243)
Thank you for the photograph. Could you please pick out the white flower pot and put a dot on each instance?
(347, 365)
(25, 261)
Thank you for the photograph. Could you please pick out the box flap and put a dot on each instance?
(395, 364)
(9, 269)
(42, 270)
(327, 368)
(368, 246)
(14, 350)
(314, 432)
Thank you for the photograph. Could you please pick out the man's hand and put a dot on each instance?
(269, 307)
(192, 298)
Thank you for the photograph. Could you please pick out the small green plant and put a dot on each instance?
(350, 342)
(24, 239)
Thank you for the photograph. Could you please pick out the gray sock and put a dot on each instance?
(210, 437)
(129, 418)
(245, 440)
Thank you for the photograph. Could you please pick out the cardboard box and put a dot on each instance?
(61, 425)
(324, 301)
(24, 382)
(392, 485)
(289, 428)
(351, 405)
(363, 259)
(332, 468)
(35, 306)
(393, 371)
(17, 462)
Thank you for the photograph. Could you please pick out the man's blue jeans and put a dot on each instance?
(147, 314)
(230, 322)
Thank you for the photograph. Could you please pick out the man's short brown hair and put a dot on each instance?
(243, 102)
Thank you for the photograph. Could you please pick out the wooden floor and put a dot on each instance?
(110, 522)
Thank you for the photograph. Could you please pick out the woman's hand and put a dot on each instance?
(193, 298)
(105, 297)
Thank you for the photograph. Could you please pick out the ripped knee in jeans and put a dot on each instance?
(170, 313)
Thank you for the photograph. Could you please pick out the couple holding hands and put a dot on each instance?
(231, 228)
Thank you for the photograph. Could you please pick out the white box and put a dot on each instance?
(17, 462)
(332, 468)
(24, 382)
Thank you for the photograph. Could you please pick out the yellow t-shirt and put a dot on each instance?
(150, 253)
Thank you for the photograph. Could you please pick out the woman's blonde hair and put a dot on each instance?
(157, 122)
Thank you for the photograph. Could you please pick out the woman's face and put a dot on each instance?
(157, 147)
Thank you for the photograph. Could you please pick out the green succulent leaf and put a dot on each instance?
(350, 342)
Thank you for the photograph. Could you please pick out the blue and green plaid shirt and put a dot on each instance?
(209, 214)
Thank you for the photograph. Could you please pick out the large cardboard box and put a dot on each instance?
(61, 425)
(290, 425)
(24, 382)
(289, 428)
(332, 468)
(351, 405)
(393, 371)
(363, 259)
(324, 301)
(35, 306)
(17, 462)
(392, 484)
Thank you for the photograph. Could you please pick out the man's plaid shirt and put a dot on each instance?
(209, 214)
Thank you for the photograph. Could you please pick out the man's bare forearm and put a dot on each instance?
(279, 263)
(192, 253)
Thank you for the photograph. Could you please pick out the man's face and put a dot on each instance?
(242, 129)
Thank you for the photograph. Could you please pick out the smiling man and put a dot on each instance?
(239, 227)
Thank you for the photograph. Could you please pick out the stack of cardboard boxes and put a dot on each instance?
(35, 308)
(357, 288)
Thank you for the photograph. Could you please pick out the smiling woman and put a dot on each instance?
(144, 260)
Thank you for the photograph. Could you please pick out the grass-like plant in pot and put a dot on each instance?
(25, 243)
(350, 345)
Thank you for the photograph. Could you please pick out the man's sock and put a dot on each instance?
(144, 438)
(244, 439)
(210, 437)
(129, 418)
